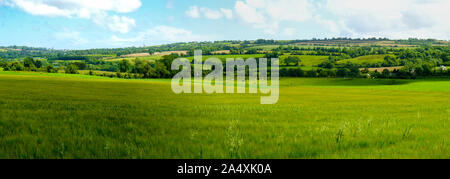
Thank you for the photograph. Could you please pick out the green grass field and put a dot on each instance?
(364, 59)
(224, 57)
(77, 116)
(131, 59)
(308, 60)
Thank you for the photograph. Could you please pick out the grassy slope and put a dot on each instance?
(131, 59)
(224, 57)
(365, 59)
(308, 60)
(75, 116)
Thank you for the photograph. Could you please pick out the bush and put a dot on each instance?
(51, 69)
(323, 73)
(292, 72)
(28, 62)
(385, 74)
(326, 64)
(80, 65)
(292, 60)
(71, 69)
(16, 66)
(343, 72)
(311, 73)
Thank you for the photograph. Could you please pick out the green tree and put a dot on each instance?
(326, 64)
(161, 71)
(125, 66)
(38, 63)
(311, 73)
(323, 73)
(386, 73)
(51, 69)
(343, 72)
(71, 69)
(292, 60)
(80, 65)
(427, 70)
(272, 55)
(28, 62)
(167, 60)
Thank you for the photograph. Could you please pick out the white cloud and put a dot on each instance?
(354, 18)
(248, 13)
(193, 12)
(196, 12)
(6, 3)
(267, 14)
(394, 19)
(71, 37)
(85, 9)
(121, 24)
(115, 23)
(160, 35)
(228, 13)
(211, 14)
(289, 31)
(76, 8)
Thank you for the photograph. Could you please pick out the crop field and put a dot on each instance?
(131, 59)
(137, 55)
(308, 60)
(364, 59)
(224, 57)
(389, 68)
(80, 116)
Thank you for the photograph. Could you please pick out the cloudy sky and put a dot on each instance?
(81, 24)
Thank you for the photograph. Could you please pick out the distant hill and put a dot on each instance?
(228, 46)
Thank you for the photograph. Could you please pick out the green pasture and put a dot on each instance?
(369, 59)
(79, 116)
(225, 57)
(308, 60)
(131, 59)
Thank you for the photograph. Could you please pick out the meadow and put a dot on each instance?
(131, 59)
(364, 59)
(223, 58)
(80, 116)
(308, 60)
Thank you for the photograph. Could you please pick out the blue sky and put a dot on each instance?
(82, 24)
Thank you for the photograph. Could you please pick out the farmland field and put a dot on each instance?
(131, 59)
(78, 116)
(224, 57)
(308, 60)
(364, 59)
(389, 68)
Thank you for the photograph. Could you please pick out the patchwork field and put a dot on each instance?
(308, 60)
(364, 59)
(382, 68)
(131, 59)
(224, 57)
(77, 116)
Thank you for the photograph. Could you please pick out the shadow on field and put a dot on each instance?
(347, 82)
(370, 82)
(374, 82)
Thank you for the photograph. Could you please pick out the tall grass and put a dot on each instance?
(45, 116)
